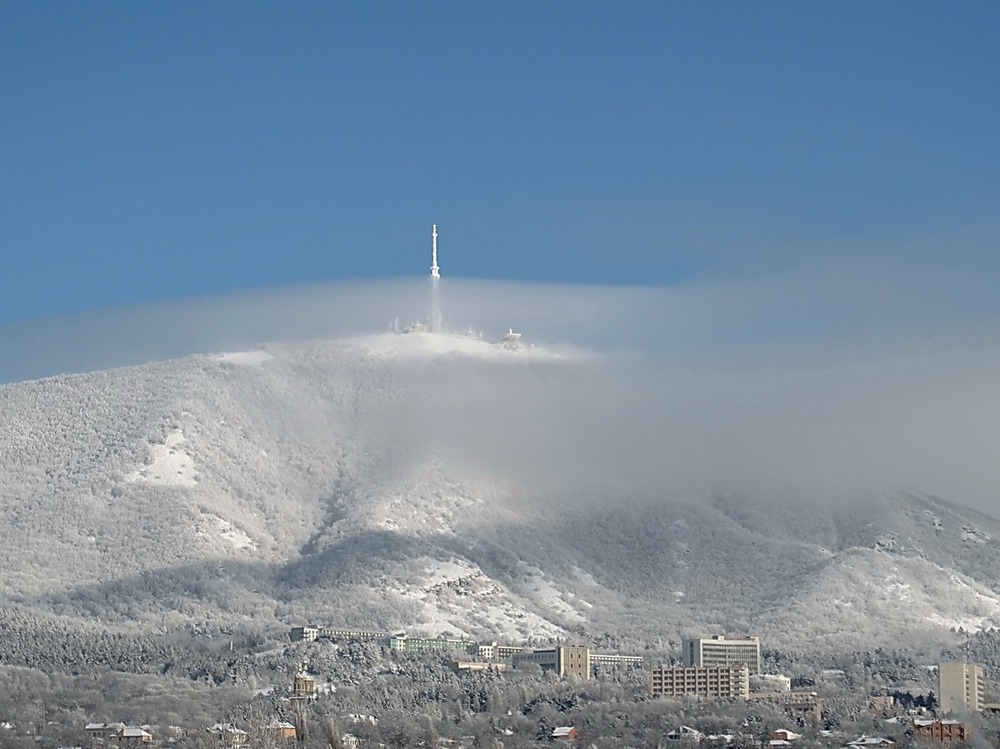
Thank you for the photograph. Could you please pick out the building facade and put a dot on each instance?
(491, 651)
(717, 682)
(941, 730)
(303, 686)
(609, 660)
(960, 688)
(402, 642)
(805, 705)
(564, 660)
(313, 633)
(720, 651)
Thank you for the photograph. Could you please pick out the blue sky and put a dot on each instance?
(154, 151)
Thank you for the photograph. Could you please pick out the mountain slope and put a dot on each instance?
(437, 484)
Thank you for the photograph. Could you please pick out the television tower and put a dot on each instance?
(435, 270)
(436, 325)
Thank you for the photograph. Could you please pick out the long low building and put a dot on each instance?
(492, 651)
(312, 633)
(577, 660)
(402, 642)
(716, 682)
(473, 666)
(486, 650)
(607, 659)
(563, 659)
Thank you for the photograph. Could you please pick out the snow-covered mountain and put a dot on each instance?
(439, 484)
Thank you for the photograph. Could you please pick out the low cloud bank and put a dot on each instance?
(816, 385)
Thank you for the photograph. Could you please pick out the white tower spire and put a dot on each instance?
(435, 271)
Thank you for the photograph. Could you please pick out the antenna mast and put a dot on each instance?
(435, 270)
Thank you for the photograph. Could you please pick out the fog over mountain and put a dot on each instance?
(824, 381)
(656, 462)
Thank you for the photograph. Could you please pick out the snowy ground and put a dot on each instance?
(169, 464)
(426, 345)
(455, 596)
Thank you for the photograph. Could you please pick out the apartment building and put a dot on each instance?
(713, 682)
(960, 688)
(720, 651)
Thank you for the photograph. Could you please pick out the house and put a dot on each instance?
(229, 734)
(564, 733)
(869, 741)
(102, 731)
(783, 737)
(718, 740)
(350, 741)
(282, 729)
(685, 732)
(303, 685)
(131, 736)
(361, 718)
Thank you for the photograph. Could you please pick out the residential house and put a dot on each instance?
(131, 736)
(869, 741)
(685, 732)
(564, 733)
(281, 729)
(101, 732)
(783, 737)
(229, 735)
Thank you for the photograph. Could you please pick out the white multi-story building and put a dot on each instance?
(722, 651)
(960, 688)
(713, 682)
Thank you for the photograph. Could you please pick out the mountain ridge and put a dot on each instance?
(380, 482)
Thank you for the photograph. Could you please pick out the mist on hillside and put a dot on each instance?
(803, 388)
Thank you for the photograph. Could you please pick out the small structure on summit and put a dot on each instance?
(511, 340)
(435, 323)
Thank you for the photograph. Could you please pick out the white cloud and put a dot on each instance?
(826, 381)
